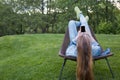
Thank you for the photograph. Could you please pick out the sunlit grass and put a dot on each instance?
(35, 57)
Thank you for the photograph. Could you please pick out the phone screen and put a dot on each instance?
(82, 28)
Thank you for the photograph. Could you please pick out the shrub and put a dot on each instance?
(105, 27)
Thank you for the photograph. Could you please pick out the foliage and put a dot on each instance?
(105, 27)
(52, 16)
(7, 20)
(35, 57)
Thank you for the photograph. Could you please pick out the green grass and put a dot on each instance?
(35, 57)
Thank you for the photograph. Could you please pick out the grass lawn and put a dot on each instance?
(35, 57)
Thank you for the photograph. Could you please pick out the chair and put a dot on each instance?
(64, 46)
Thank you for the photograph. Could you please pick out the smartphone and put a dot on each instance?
(82, 28)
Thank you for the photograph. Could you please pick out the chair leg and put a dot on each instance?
(62, 68)
(109, 67)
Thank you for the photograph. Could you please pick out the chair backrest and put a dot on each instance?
(66, 42)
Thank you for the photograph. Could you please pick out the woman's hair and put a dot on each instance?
(84, 58)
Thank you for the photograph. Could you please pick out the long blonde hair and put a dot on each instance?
(84, 58)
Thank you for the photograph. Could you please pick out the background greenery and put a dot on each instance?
(35, 57)
(52, 16)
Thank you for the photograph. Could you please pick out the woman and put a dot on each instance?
(73, 34)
